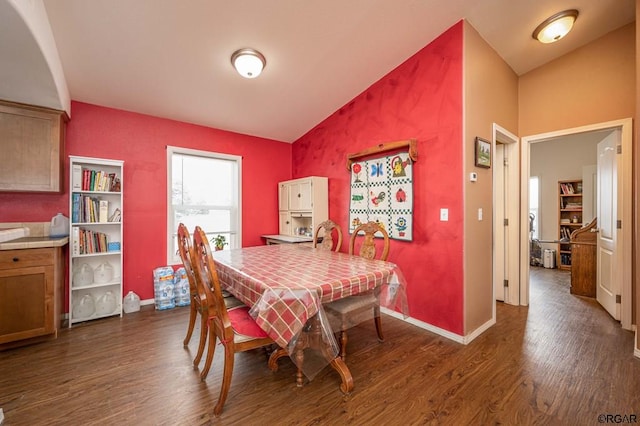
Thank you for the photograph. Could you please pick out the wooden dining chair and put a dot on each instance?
(235, 328)
(343, 311)
(186, 255)
(327, 240)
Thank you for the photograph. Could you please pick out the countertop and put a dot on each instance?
(288, 238)
(34, 242)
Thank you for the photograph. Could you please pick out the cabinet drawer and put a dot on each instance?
(10, 259)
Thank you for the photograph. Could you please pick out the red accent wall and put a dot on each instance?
(422, 99)
(140, 141)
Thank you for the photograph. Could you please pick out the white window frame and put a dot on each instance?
(173, 258)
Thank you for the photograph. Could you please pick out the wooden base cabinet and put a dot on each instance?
(31, 295)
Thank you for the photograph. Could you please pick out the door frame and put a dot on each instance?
(626, 200)
(511, 148)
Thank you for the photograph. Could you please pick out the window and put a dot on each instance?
(203, 190)
(534, 211)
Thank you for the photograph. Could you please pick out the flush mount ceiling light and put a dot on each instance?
(248, 62)
(555, 27)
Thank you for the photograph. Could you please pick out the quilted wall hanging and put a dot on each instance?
(382, 192)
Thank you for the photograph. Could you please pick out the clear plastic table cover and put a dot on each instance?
(288, 286)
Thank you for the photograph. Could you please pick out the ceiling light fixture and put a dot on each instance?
(555, 27)
(248, 62)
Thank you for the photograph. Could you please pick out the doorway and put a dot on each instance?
(623, 277)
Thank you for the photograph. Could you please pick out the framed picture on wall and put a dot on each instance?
(483, 153)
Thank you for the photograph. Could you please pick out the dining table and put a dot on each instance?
(286, 286)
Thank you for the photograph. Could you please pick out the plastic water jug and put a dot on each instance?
(103, 273)
(83, 276)
(59, 226)
(85, 307)
(106, 304)
(131, 303)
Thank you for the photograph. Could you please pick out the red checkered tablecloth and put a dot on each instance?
(285, 283)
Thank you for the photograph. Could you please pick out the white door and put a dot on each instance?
(607, 201)
(500, 260)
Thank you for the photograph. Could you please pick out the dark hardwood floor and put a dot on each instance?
(561, 361)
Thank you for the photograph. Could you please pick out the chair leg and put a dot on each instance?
(229, 357)
(211, 350)
(203, 341)
(192, 322)
(343, 345)
(378, 321)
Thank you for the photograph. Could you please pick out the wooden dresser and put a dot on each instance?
(583, 260)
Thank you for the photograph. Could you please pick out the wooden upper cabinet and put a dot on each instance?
(32, 146)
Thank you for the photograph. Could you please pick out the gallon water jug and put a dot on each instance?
(84, 308)
(83, 276)
(131, 303)
(106, 304)
(103, 273)
(59, 226)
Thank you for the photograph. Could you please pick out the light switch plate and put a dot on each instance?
(444, 215)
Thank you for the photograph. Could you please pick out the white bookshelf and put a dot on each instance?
(95, 237)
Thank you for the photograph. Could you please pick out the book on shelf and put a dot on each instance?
(76, 207)
(75, 241)
(104, 211)
(116, 216)
(76, 178)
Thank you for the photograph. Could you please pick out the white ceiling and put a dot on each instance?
(171, 58)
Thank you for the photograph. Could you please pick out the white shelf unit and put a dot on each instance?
(95, 239)
(303, 204)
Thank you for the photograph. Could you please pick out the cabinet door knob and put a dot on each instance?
(15, 259)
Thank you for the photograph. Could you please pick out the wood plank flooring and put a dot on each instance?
(561, 361)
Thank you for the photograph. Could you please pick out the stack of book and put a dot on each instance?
(94, 180)
(88, 209)
(86, 241)
(566, 188)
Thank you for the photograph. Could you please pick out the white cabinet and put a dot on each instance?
(95, 235)
(304, 203)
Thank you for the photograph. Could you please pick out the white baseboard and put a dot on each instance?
(147, 302)
(465, 340)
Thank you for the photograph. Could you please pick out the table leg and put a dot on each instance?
(347, 379)
(337, 363)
